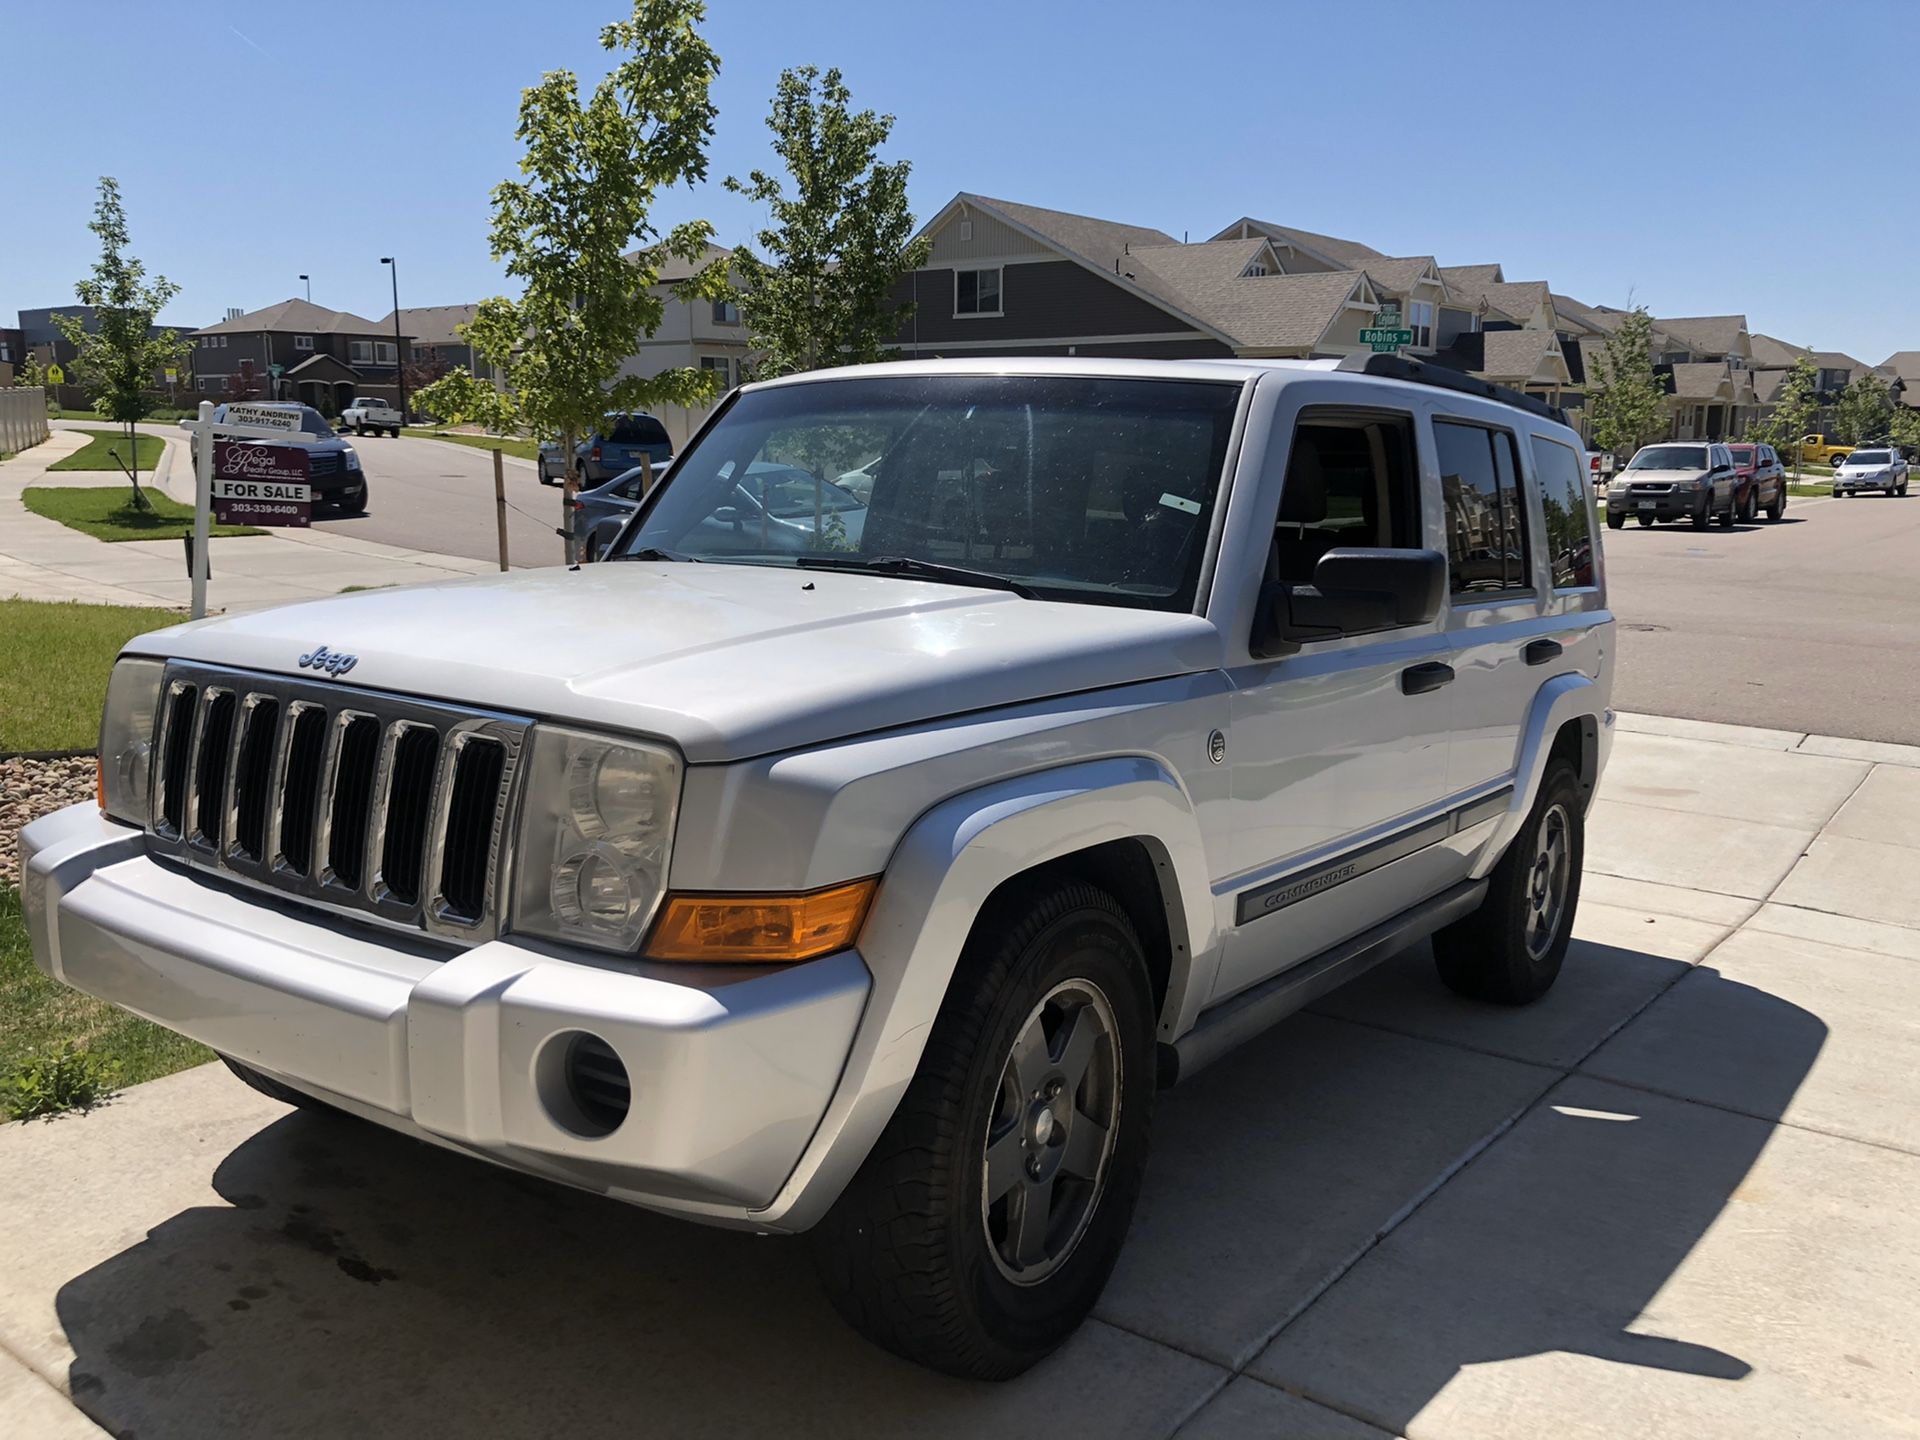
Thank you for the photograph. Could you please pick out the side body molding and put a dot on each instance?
(1563, 698)
(943, 871)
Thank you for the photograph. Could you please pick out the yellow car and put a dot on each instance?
(1814, 450)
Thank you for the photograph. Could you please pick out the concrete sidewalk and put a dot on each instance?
(1674, 1198)
(41, 559)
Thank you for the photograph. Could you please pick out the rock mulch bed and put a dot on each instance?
(30, 789)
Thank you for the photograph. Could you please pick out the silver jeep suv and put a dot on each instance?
(871, 884)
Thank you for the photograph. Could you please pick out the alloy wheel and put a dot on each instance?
(1547, 881)
(1050, 1138)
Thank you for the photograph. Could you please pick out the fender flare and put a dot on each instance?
(1563, 698)
(944, 869)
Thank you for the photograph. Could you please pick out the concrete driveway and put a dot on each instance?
(1674, 1198)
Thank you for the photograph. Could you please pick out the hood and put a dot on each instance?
(1661, 477)
(726, 661)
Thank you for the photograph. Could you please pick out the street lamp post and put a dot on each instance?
(399, 369)
(309, 281)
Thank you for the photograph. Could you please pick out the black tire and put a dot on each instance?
(395, 432)
(908, 1253)
(1727, 515)
(274, 1090)
(1616, 520)
(357, 506)
(1703, 515)
(1750, 507)
(1487, 955)
(1779, 505)
(1646, 521)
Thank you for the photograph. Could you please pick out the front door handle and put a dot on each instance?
(1539, 652)
(1419, 679)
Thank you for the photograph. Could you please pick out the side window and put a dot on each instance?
(1486, 528)
(1563, 496)
(1350, 481)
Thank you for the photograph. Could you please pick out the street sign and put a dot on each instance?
(262, 417)
(1386, 339)
(1388, 318)
(274, 370)
(172, 374)
(55, 375)
(261, 484)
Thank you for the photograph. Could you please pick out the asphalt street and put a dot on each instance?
(429, 495)
(1812, 624)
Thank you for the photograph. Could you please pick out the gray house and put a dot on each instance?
(438, 341)
(297, 350)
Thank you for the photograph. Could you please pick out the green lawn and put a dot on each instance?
(507, 444)
(106, 512)
(53, 668)
(93, 455)
(39, 1017)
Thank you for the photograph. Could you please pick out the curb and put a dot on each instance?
(6, 755)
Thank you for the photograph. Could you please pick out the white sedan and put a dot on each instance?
(1882, 470)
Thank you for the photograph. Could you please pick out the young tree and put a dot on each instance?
(823, 295)
(116, 360)
(457, 398)
(1794, 406)
(589, 176)
(1905, 427)
(1629, 401)
(1864, 411)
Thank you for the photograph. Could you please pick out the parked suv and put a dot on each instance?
(1760, 480)
(1883, 469)
(872, 889)
(334, 475)
(1683, 480)
(621, 442)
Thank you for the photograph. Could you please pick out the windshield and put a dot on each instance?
(636, 430)
(1079, 488)
(1869, 457)
(1671, 457)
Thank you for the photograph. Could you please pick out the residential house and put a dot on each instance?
(439, 342)
(1904, 365)
(703, 334)
(40, 336)
(13, 354)
(1005, 278)
(297, 350)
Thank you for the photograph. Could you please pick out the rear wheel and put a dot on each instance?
(1510, 950)
(1778, 506)
(980, 1230)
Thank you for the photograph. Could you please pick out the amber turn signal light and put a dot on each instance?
(100, 784)
(761, 929)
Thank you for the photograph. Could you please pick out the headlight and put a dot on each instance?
(353, 458)
(126, 739)
(595, 832)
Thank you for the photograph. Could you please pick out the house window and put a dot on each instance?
(966, 230)
(976, 292)
(725, 312)
(360, 352)
(1420, 321)
(721, 366)
(303, 342)
(372, 352)
(1255, 270)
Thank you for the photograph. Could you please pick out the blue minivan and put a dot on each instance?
(621, 442)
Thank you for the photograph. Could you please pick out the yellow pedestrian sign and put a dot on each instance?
(55, 375)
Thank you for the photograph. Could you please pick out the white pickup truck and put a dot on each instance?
(869, 879)
(369, 414)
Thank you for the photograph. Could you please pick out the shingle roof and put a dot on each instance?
(673, 269)
(1100, 241)
(302, 316)
(1264, 312)
(1905, 364)
(1514, 354)
(1767, 351)
(1838, 360)
(1473, 277)
(1766, 385)
(432, 324)
(1398, 275)
(1701, 380)
(1518, 299)
(1706, 334)
(1350, 254)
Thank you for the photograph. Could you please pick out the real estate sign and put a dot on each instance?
(262, 417)
(261, 484)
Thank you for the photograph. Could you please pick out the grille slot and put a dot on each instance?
(210, 768)
(178, 749)
(598, 1083)
(357, 753)
(409, 802)
(300, 787)
(379, 806)
(253, 776)
(466, 858)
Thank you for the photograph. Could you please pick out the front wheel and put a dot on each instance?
(1778, 506)
(1509, 951)
(1703, 515)
(980, 1230)
(1616, 520)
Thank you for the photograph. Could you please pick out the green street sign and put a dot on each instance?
(275, 370)
(1386, 339)
(1388, 318)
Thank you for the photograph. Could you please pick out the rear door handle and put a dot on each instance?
(1539, 652)
(1419, 679)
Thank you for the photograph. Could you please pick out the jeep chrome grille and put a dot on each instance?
(386, 806)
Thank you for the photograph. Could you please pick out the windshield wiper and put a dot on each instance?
(916, 569)
(654, 552)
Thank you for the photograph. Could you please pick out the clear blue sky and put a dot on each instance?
(1700, 158)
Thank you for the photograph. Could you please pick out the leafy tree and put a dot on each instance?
(1795, 405)
(457, 398)
(1905, 426)
(589, 175)
(837, 244)
(1864, 411)
(1629, 404)
(116, 360)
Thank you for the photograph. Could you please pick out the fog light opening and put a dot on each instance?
(584, 1085)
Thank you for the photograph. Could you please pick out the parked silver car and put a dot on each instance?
(1688, 480)
(599, 513)
(1883, 469)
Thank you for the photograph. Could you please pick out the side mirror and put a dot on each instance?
(1354, 591)
(727, 515)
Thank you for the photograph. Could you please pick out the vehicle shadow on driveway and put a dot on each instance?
(357, 1282)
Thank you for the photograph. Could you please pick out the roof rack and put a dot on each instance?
(1418, 372)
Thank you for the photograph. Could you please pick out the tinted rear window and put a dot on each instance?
(638, 430)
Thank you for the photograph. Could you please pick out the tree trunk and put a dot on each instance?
(569, 487)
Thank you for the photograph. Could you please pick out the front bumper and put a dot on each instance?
(1865, 482)
(1661, 504)
(730, 1072)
